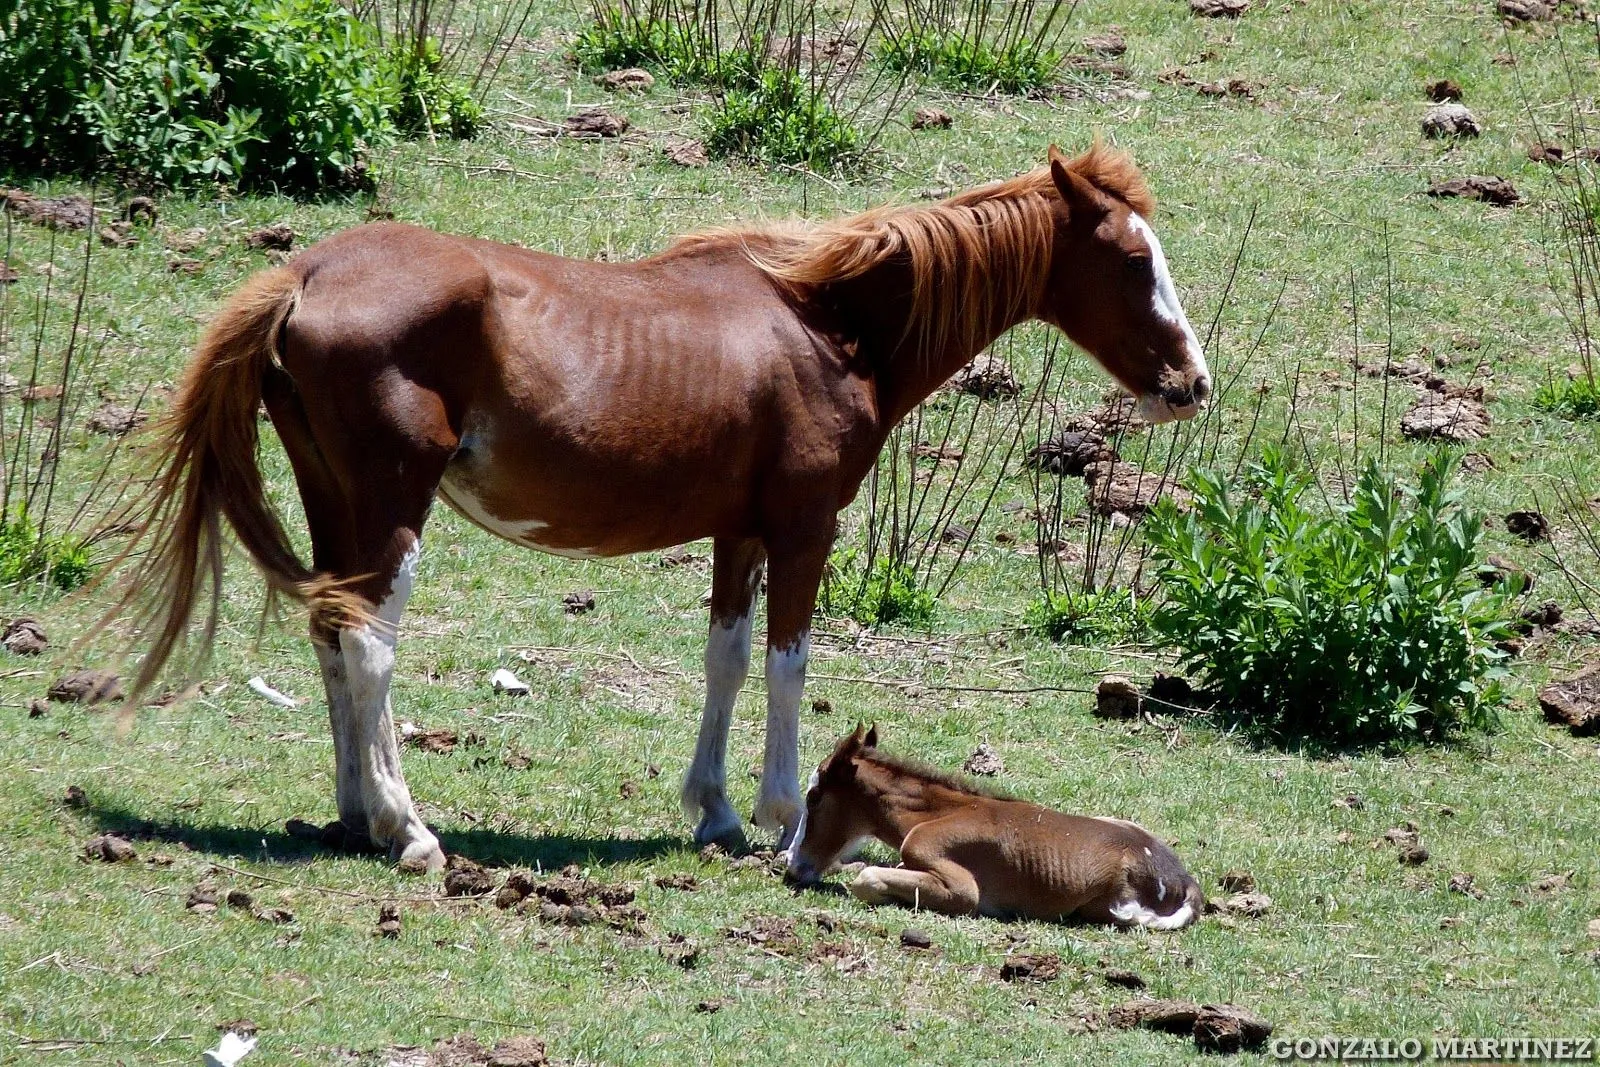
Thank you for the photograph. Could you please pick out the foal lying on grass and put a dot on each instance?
(965, 852)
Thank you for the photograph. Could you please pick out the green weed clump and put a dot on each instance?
(781, 120)
(293, 94)
(1578, 398)
(887, 592)
(1018, 67)
(1359, 625)
(1112, 616)
(28, 555)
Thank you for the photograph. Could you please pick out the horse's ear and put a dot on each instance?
(1085, 203)
(871, 740)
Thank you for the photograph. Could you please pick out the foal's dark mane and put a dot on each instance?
(929, 773)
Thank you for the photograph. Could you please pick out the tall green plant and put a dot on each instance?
(1355, 625)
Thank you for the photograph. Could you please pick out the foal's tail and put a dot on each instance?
(206, 470)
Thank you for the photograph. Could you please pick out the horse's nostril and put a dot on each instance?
(1202, 388)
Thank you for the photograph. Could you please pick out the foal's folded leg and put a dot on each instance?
(949, 890)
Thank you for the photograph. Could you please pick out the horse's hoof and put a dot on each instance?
(423, 856)
(728, 836)
(780, 818)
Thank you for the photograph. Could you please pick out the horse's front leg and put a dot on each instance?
(735, 577)
(793, 575)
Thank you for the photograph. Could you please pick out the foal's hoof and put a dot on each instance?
(423, 856)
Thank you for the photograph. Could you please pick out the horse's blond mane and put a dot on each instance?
(978, 258)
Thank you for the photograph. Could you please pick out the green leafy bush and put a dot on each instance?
(1578, 398)
(1366, 626)
(287, 93)
(1110, 616)
(968, 63)
(781, 119)
(681, 50)
(28, 555)
(888, 592)
(430, 100)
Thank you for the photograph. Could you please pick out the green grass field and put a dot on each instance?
(104, 963)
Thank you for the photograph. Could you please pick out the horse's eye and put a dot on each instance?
(1139, 266)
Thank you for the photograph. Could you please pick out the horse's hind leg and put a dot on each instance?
(365, 501)
(735, 577)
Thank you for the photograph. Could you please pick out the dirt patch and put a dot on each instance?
(1551, 884)
(687, 153)
(109, 848)
(1117, 697)
(1031, 967)
(578, 603)
(570, 899)
(464, 1050)
(1110, 43)
(1126, 979)
(1489, 189)
(1574, 702)
(1443, 91)
(8, 274)
(1436, 417)
(1528, 525)
(277, 237)
(1117, 488)
(987, 377)
(86, 687)
(1219, 9)
(1450, 119)
(119, 234)
(115, 420)
(1223, 87)
(595, 123)
(465, 878)
(1413, 855)
(1463, 883)
(1237, 882)
(55, 213)
(632, 79)
(680, 952)
(930, 118)
(984, 761)
(1249, 905)
(388, 921)
(24, 637)
(1526, 10)
(75, 797)
(1072, 449)
(1477, 463)
(773, 935)
(441, 740)
(1214, 1027)
(185, 266)
(683, 883)
(711, 1007)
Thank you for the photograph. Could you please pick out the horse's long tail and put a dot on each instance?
(207, 470)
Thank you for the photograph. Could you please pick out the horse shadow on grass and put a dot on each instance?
(279, 845)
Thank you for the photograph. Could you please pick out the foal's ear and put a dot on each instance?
(1085, 204)
(871, 740)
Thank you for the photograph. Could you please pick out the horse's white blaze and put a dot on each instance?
(705, 784)
(778, 807)
(1165, 301)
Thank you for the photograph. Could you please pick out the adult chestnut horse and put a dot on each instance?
(737, 386)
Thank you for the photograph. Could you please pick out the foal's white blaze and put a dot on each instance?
(798, 869)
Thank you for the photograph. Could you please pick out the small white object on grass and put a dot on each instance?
(229, 1051)
(265, 691)
(506, 682)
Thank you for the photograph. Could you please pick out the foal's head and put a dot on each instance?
(838, 812)
(1109, 289)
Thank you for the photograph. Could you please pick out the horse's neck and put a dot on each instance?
(910, 357)
(905, 802)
